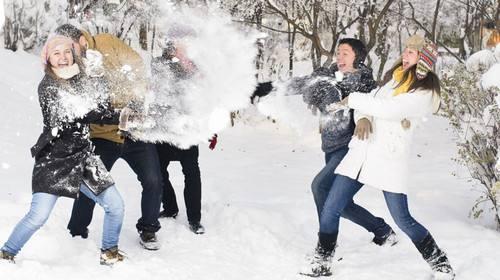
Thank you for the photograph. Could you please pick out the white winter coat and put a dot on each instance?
(382, 160)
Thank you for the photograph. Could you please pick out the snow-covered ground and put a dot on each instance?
(257, 207)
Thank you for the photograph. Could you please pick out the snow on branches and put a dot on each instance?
(471, 101)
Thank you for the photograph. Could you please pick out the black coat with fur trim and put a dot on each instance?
(64, 157)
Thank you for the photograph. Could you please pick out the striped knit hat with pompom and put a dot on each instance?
(427, 58)
(427, 54)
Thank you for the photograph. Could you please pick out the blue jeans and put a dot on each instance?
(343, 191)
(43, 203)
(143, 159)
(322, 186)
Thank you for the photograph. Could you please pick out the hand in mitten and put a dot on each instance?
(93, 63)
(124, 118)
(213, 142)
(363, 129)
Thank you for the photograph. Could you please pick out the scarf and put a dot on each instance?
(67, 72)
(398, 77)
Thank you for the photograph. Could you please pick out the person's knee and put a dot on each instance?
(315, 186)
(350, 211)
(37, 218)
(115, 206)
(329, 214)
(191, 169)
(404, 222)
(152, 182)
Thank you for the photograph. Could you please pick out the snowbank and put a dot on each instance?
(492, 77)
(481, 61)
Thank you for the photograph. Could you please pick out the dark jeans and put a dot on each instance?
(143, 159)
(192, 180)
(343, 191)
(322, 186)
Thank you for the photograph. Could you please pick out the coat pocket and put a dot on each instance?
(95, 175)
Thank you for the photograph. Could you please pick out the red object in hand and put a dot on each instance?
(213, 142)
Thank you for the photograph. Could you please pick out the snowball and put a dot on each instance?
(54, 131)
(339, 76)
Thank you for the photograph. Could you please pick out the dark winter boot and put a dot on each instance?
(167, 214)
(6, 256)
(84, 234)
(436, 258)
(390, 239)
(149, 241)
(196, 228)
(321, 262)
(111, 256)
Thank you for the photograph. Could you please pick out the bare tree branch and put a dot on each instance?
(434, 20)
(430, 34)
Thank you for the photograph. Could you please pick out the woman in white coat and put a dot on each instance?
(410, 91)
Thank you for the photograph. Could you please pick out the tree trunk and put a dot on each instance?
(461, 51)
(153, 37)
(434, 21)
(497, 21)
(291, 47)
(291, 43)
(71, 10)
(259, 59)
(143, 36)
(8, 39)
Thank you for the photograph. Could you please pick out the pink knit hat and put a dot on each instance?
(51, 44)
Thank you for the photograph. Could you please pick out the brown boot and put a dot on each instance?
(7, 256)
(111, 256)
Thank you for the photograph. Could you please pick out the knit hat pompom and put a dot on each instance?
(51, 44)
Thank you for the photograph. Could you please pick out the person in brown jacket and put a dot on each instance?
(125, 72)
(491, 36)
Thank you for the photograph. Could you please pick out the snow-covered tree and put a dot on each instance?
(2, 15)
(28, 22)
(472, 103)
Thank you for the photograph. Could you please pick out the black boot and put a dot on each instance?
(148, 240)
(389, 239)
(436, 258)
(321, 262)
